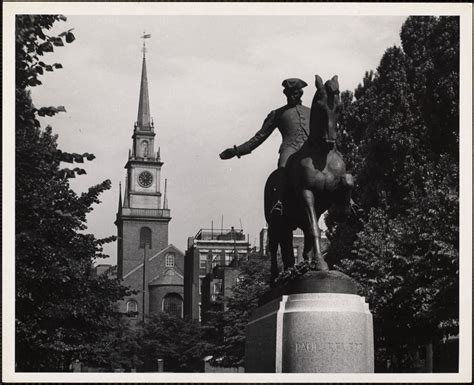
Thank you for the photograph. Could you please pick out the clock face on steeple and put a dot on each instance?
(145, 179)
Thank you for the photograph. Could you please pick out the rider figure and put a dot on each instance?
(292, 120)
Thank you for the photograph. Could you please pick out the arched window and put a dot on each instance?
(173, 305)
(132, 309)
(145, 237)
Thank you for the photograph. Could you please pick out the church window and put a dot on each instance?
(144, 148)
(145, 237)
(132, 309)
(173, 305)
(169, 260)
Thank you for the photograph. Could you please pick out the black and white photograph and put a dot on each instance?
(237, 192)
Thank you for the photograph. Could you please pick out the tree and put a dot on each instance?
(178, 342)
(229, 325)
(62, 307)
(401, 134)
(121, 348)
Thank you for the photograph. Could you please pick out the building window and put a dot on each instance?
(203, 261)
(201, 280)
(169, 260)
(218, 287)
(145, 237)
(216, 290)
(132, 309)
(229, 257)
(173, 305)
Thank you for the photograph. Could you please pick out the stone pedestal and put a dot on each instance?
(319, 332)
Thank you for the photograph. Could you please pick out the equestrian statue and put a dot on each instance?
(311, 176)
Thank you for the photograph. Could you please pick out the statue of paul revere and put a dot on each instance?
(293, 122)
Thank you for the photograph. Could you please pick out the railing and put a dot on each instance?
(154, 158)
(146, 212)
(220, 234)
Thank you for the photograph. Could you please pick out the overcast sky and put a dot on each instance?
(212, 81)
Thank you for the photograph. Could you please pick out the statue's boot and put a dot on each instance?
(277, 209)
(280, 184)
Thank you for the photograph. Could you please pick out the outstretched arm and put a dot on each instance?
(268, 127)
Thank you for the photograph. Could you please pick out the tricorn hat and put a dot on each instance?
(293, 84)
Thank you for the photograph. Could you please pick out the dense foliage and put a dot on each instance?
(400, 135)
(228, 327)
(62, 307)
(178, 342)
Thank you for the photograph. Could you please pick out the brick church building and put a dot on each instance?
(145, 260)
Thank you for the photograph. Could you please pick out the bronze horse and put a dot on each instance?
(316, 181)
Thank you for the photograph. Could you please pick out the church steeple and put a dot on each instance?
(143, 119)
(141, 215)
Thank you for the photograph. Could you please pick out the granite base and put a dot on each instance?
(311, 333)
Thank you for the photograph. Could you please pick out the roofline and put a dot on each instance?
(164, 250)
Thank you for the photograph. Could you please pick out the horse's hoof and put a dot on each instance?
(321, 265)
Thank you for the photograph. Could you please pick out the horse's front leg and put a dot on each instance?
(313, 231)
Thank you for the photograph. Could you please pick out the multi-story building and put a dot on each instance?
(207, 250)
(216, 288)
(145, 260)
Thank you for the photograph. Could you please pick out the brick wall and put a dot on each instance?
(132, 253)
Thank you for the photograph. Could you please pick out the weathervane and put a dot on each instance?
(145, 36)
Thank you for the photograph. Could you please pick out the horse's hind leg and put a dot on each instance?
(340, 210)
(348, 185)
(286, 246)
(273, 249)
(308, 244)
(313, 230)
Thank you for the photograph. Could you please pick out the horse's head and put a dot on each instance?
(325, 110)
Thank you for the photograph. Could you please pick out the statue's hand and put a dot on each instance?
(228, 153)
